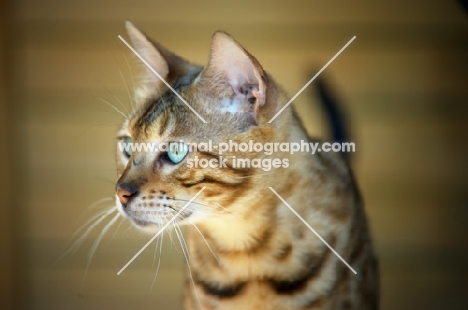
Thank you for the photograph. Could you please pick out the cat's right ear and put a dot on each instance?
(147, 49)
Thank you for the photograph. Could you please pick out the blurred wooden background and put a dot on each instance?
(403, 83)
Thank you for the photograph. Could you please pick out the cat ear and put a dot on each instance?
(234, 67)
(173, 69)
(151, 54)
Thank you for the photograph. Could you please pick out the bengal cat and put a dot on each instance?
(247, 249)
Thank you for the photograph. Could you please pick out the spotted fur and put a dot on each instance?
(255, 254)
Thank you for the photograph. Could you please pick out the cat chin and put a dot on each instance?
(142, 225)
(148, 230)
(145, 227)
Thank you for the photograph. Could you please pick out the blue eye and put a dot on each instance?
(127, 143)
(177, 151)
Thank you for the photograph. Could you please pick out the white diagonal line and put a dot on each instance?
(160, 77)
(311, 80)
(313, 230)
(160, 231)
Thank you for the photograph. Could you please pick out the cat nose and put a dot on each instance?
(126, 191)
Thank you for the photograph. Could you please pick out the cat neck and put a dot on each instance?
(241, 230)
(250, 218)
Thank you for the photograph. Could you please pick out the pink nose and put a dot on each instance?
(125, 192)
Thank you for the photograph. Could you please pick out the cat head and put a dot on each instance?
(232, 94)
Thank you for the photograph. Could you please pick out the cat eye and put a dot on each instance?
(177, 151)
(127, 141)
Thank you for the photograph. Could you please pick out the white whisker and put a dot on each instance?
(80, 240)
(112, 106)
(126, 87)
(131, 79)
(117, 228)
(181, 238)
(206, 242)
(202, 212)
(106, 211)
(169, 233)
(156, 246)
(95, 204)
(124, 82)
(229, 212)
(159, 262)
(97, 241)
(128, 229)
(216, 208)
(186, 255)
(121, 104)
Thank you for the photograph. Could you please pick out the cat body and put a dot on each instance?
(246, 248)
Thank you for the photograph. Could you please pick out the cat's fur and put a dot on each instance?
(257, 253)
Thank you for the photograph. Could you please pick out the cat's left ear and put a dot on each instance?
(232, 66)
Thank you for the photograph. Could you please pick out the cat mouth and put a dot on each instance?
(143, 223)
(157, 219)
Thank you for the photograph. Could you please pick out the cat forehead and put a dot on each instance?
(167, 119)
(157, 119)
